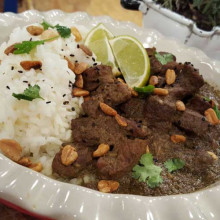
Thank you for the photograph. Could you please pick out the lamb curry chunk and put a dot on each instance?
(146, 124)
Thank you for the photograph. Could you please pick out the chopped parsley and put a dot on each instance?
(217, 111)
(145, 90)
(174, 164)
(29, 94)
(62, 30)
(27, 46)
(147, 171)
(165, 58)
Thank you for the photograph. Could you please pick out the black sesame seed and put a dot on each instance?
(64, 95)
(51, 87)
(20, 71)
(43, 80)
(72, 55)
(203, 118)
(66, 102)
(77, 45)
(66, 44)
(29, 84)
(87, 57)
(31, 39)
(70, 82)
(48, 102)
(62, 49)
(76, 61)
(73, 109)
(94, 64)
(7, 87)
(12, 68)
(93, 59)
(40, 69)
(25, 81)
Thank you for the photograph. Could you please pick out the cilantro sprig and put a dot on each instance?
(29, 94)
(165, 58)
(174, 164)
(145, 90)
(62, 30)
(147, 171)
(215, 108)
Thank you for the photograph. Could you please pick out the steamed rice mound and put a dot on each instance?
(40, 126)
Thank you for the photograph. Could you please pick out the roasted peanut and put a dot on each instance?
(76, 33)
(176, 138)
(170, 76)
(11, 148)
(121, 121)
(68, 155)
(25, 161)
(180, 106)
(35, 30)
(85, 49)
(211, 116)
(134, 93)
(71, 65)
(10, 49)
(107, 109)
(101, 150)
(36, 167)
(214, 156)
(159, 91)
(79, 81)
(153, 80)
(47, 34)
(79, 92)
(121, 80)
(147, 149)
(28, 64)
(80, 67)
(107, 186)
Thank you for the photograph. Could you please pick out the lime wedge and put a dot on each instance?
(132, 59)
(97, 41)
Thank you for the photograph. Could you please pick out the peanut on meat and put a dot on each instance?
(80, 67)
(11, 149)
(160, 91)
(36, 167)
(214, 156)
(68, 155)
(71, 65)
(28, 64)
(76, 33)
(121, 121)
(176, 138)
(134, 93)
(79, 81)
(35, 30)
(180, 106)
(153, 80)
(47, 34)
(101, 150)
(107, 186)
(10, 49)
(211, 116)
(170, 76)
(147, 149)
(79, 92)
(121, 80)
(107, 109)
(85, 49)
(25, 161)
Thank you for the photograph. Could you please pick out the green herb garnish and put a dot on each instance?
(46, 25)
(215, 108)
(207, 99)
(32, 92)
(62, 30)
(165, 58)
(147, 171)
(174, 164)
(145, 90)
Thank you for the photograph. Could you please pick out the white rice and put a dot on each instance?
(40, 127)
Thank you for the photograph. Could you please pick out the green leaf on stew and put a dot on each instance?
(63, 31)
(217, 111)
(145, 90)
(165, 58)
(46, 25)
(147, 171)
(32, 92)
(207, 99)
(174, 164)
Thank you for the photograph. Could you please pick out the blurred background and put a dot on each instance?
(112, 8)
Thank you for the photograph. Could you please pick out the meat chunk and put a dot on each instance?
(95, 76)
(71, 171)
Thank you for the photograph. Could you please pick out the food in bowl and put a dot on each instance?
(72, 118)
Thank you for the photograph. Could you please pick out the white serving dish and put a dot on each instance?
(177, 26)
(39, 194)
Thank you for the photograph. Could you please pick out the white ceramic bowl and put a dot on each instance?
(39, 194)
